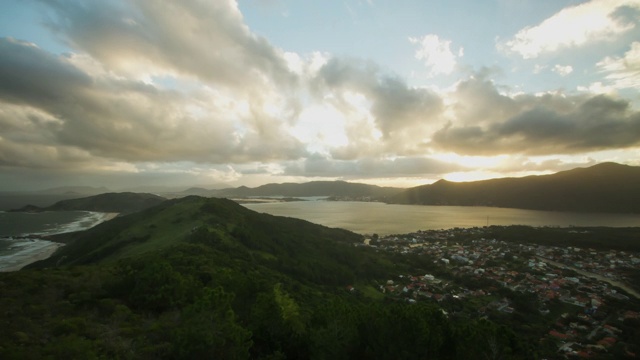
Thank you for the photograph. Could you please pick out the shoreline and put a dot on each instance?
(25, 257)
(40, 247)
(109, 216)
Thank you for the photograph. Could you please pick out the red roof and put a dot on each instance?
(558, 335)
(608, 341)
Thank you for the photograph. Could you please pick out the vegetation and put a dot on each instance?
(606, 187)
(207, 278)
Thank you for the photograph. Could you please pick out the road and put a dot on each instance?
(612, 282)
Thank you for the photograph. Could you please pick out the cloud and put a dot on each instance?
(401, 114)
(115, 119)
(541, 125)
(156, 88)
(562, 70)
(436, 54)
(108, 104)
(574, 26)
(623, 72)
(477, 100)
(522, 164)
(204, 40)
(365, 168)
(46, 74)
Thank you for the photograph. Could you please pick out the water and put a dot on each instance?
(16, 250)
(46, 223)
(385, 219)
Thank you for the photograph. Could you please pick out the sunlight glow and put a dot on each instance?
(321, 127)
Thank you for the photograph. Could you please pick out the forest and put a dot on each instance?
(208, 278)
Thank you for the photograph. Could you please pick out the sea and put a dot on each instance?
(19, 232)
(386, 219)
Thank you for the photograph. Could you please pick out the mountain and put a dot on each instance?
(109, 202)
(43, 198)
(197, 191)
(313, 188)
(173, 190)
(606, 187)
(195, 278)
(75, 190)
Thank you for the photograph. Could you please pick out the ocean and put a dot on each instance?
(18, 249)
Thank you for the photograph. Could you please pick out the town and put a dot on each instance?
(576, 300)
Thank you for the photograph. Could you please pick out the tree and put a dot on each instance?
(209, 329)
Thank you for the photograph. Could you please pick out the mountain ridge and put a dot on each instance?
(606, 187)
(124, 203)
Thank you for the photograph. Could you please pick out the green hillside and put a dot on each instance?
(607, 187)
(198, 278)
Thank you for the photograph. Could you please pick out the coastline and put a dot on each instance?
(30, 255)
(109, 216)
(35, 247)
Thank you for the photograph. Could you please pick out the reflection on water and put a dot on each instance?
(384, 219)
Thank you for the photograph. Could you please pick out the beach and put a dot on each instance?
(20, 250)
(30, 252)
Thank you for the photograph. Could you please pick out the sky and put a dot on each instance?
(215, 93)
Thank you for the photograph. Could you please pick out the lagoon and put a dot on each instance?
(385, 219)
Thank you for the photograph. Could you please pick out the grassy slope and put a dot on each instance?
(173, 221)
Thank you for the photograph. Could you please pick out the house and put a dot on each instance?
(558, 335)
(607, 341)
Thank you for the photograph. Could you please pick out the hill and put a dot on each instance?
(607, 187)
(123, 203)
(312, 188)
(75, 190)
(173, 221)
(201, 278)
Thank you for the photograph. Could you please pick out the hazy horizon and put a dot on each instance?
(128, 93)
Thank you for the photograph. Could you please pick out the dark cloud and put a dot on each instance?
(479, 101)
(395, 106)
(118, 119)
(32, 76)
(536, 125)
